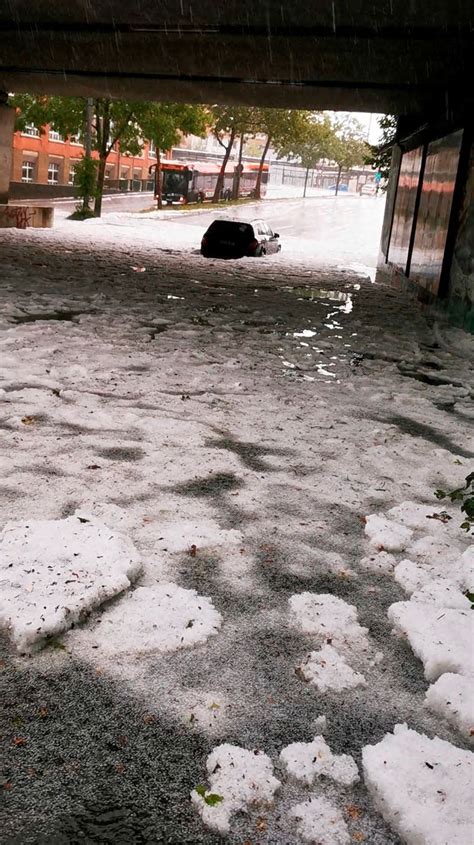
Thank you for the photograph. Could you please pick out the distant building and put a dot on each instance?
(47, 159)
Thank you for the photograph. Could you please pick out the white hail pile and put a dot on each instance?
(307, 761)
(436, 572)
(239, 779)
(332, 623)
(422, 787)
(54, 572)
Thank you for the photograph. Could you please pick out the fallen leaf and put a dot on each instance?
(358, 836)
(353, 811)
(93, 466)
(119, 768)
(193, 550)
(261, 824)
(43, 712)
(149, 718)
(19, 741)
(7, 785)
(28, 420)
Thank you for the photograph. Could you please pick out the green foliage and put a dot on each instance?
(379, 155)
(82, 212)
(231, 121)
(308, 137)
(85, 177)
(127, 122)
(465, 497)
(165, 123)
(349, 147)
(211, 798)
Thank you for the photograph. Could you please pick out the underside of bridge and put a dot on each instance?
(412, 59)
(389, 56)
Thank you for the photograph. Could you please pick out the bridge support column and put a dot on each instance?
(7, 121)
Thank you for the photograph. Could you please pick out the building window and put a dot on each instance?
(124, 173)
(55, 136)
(72, 174)
(31, 130)
(152, 149)
(53, 173)
(27, 171)
(108, 174)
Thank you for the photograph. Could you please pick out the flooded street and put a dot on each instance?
(324, 225)
(236, 423)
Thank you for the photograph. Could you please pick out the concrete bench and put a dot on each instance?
(26, 216)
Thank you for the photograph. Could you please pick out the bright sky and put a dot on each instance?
(370, 124)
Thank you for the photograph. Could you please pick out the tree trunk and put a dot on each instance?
(88, 144)
(220, 178)
(159, 192)
(236, 186)
(102, 136)
(338, 179)
(306, 181)
(100, 184)
(258, 184)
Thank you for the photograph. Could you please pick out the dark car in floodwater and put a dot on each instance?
(236, 239)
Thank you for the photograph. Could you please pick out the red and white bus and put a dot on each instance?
(184, 182)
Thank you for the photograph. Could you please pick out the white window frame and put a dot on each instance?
(53, 167)
(151, 149)
(55, 136)
(29, 166)
(31, 131)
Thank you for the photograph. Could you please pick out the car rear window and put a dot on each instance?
(230, 229)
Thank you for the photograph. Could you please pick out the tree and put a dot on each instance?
(349, 146)
(313, 141)
(164, 123)
(380, 155)
(114, 122)
(227, 123)
(282, 128)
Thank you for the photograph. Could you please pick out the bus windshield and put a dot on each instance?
(175, 182)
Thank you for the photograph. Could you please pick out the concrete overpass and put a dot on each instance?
(385, 55)
(411, 58)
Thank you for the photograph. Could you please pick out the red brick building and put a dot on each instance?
(48, 159)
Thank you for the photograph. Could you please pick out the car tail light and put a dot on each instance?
(253, 245)
(204, 241)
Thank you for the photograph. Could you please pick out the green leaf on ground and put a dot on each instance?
(211, 798)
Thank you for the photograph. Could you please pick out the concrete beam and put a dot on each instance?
(375, 16)
(349, 55)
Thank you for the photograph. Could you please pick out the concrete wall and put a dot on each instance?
(7, 120)
(461, 288)
(26, 217)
